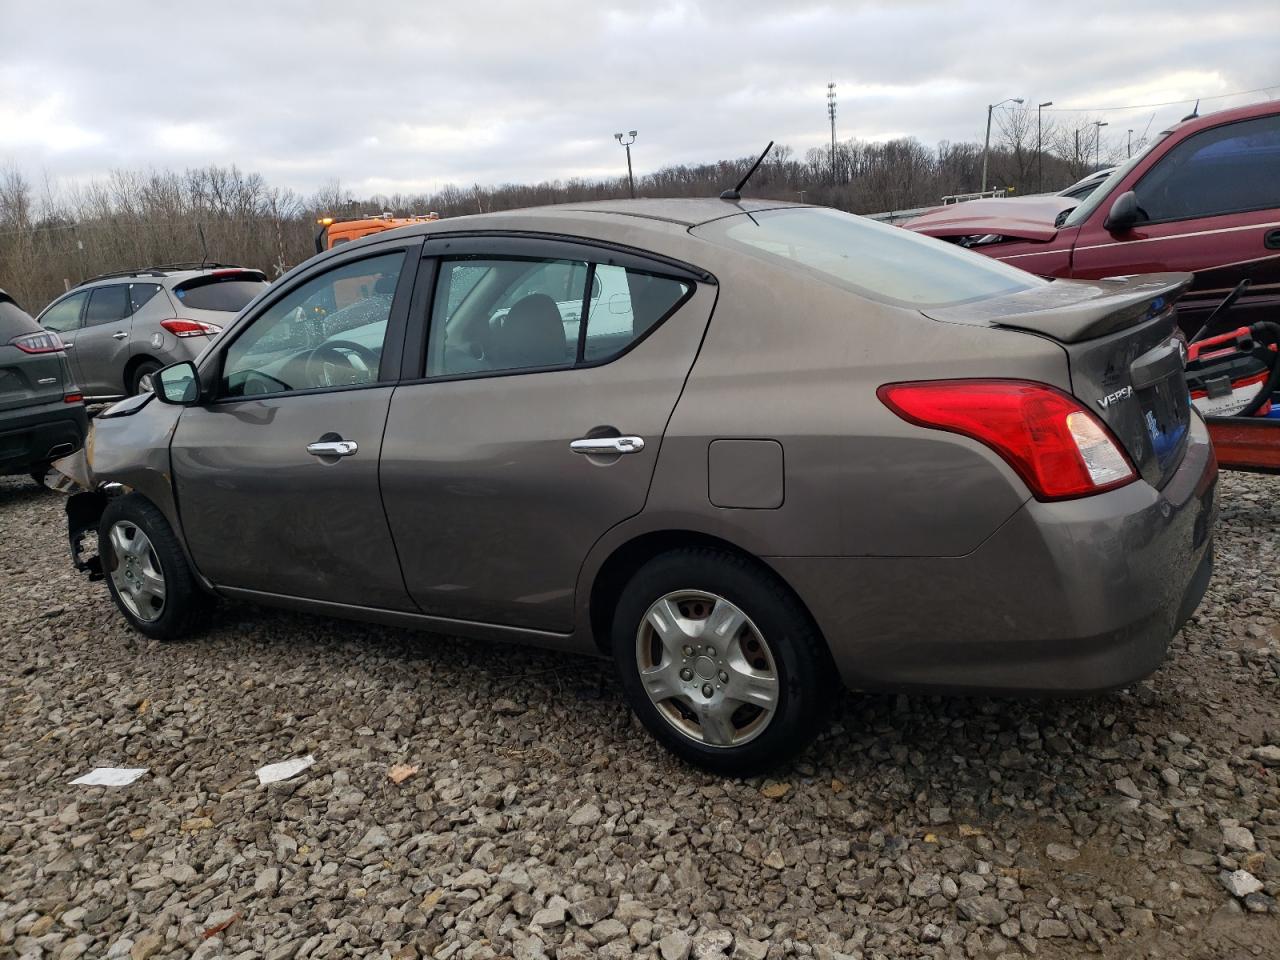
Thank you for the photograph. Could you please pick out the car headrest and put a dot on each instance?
(531, 335)
(385, 286)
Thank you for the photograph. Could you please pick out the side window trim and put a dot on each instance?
(389, 364)
(539, 247)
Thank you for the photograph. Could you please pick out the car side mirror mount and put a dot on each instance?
(1124, 213)
(178, 383)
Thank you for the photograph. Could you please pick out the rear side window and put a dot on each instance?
(226, 294)
(502, 314)
(107, 305)
(1229, 169)
(140, 294)
(871, 259)
(64, 315)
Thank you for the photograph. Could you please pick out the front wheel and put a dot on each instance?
(146, 570)
(720, 662)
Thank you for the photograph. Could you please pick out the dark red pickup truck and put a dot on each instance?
(1204, 198)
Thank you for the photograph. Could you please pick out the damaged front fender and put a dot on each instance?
(126, 451)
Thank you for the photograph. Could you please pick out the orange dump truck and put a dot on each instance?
(333, 231)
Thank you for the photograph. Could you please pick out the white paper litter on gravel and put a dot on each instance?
(275, 772)
(110, 776)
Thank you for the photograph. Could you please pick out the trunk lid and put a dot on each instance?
(1126, 364)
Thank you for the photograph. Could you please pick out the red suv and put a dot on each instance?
(1204, 197)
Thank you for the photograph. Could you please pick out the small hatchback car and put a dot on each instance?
(121, 328)
(746, 449)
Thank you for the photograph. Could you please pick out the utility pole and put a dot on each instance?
(1129, 152)
(631, 183)
(1040, 147)
(1097, 143)
(831, 113)
(986, 145)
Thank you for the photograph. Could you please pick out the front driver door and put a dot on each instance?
(277, 476)
(538, 354)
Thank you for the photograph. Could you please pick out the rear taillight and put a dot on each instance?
(73, 398)
(190, 328)
(1057, 447)
(43, 342)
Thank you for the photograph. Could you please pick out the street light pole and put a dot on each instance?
(1129, 152)
(631, 183)
(1040, 148)
(986, 146)
(831, 114)
(1097, 143)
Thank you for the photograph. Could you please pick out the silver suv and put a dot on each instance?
(121, 328)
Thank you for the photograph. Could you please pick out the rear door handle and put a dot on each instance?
(607, 445)
(332, 448)
(1272, 240)
(119, 335)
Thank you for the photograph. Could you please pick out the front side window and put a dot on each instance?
(107, 305)
(328, 332)
(64, 316)
(1229, 169)
(499, 314)
(871, 259)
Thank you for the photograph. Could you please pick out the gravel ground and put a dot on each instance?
(541, 821)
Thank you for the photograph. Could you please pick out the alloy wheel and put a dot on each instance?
(135, 571)
(707, 669)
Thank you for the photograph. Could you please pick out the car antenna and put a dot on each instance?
(736, 192)
(1195, 112)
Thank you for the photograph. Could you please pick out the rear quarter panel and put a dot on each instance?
(799, 362)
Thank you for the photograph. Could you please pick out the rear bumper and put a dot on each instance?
(1071, 597)
(32, 436)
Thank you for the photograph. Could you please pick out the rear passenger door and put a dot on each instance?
(529, 417)
(102, 346)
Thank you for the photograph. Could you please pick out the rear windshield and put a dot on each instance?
(14, 321)
(228, 294)
(874, 260)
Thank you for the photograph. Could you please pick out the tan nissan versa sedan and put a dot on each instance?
(746, 449)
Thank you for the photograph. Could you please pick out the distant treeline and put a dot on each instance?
(50, 236)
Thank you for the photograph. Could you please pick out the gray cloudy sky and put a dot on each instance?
(407, 96)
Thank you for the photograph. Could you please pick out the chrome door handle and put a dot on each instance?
(119, 335)
(68, 344)
(332, 448)
(607, 445)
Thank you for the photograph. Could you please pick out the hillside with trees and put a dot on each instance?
(52, 235)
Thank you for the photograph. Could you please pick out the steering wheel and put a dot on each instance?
(339, 354)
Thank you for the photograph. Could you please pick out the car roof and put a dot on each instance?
(165, 276)
(1264, 108)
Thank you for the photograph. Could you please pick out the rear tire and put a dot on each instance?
(38, 474)
(720, 662)
(144, 370)
(146, 570)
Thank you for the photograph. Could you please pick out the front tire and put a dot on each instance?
(146, 570)
(720, 662)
